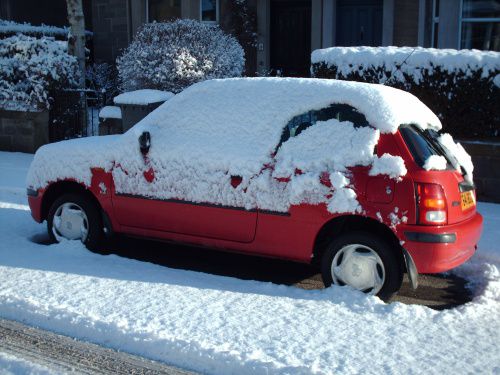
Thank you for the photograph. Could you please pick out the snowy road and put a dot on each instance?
(25, 350)
(222, 325)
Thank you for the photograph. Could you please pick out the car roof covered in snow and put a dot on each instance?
(243, 118)
(269, 103)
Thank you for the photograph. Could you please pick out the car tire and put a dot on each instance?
(61, 225)
(365, 262)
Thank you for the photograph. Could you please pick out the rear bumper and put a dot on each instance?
(35, 203)
(439, 249)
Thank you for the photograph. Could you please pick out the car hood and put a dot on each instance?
(72, 159)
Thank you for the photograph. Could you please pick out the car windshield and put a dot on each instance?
(423, 144)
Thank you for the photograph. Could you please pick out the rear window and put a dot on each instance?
(423, 144)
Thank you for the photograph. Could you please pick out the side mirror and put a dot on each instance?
(145, 142)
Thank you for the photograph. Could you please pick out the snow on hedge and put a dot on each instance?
(173, 55)
(222, 128)
(143, 97)
(30, 68)
(407, 60)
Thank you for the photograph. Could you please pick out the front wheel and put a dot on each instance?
(363, 261)
(75, 217)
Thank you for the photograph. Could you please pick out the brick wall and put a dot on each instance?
(405, 23)
(23, 131)
(110, 27)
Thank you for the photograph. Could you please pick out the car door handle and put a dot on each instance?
(236, 181)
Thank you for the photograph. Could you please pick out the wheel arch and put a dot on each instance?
(348, 223)
(59, 188)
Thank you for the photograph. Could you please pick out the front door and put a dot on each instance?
(359, 23)
(290, 38)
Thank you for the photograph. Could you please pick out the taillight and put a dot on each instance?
(431, 203)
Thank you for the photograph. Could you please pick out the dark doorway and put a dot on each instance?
(290, 38)
(359, 23)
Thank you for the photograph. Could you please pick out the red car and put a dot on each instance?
(352, 177)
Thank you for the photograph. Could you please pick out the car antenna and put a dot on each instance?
(398, 67)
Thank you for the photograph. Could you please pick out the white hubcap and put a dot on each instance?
(70, 222)
(358, 266)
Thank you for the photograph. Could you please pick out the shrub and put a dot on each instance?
(173, 55)
(103, 79)
(461, 87)
(31, 69)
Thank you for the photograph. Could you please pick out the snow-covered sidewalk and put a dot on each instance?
(223, 325)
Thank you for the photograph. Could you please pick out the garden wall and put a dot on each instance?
(23, 131)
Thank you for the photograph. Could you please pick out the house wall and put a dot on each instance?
(112, 28)
(406, 17)
(449, 17)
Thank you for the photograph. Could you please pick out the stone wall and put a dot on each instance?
(23, 131)
(405, 23)
(486, 159)
(110, 22)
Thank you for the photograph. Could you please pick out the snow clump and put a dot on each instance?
(393, 166)
(460, 158)
(171, 56)
(436, 163)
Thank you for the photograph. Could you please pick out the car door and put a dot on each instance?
(201, 219)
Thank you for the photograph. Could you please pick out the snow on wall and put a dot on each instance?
(143, 97)
(349, 59)
(11, 27)
(222, 128)
(110, 111)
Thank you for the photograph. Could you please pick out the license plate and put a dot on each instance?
(467, 199)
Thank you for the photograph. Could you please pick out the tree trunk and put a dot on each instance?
(76, 43)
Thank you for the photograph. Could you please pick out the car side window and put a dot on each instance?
(341, 112)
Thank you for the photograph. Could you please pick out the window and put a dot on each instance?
(341, 112)
(480, 25)
(423, 144)
(163, 10)
(209, 11)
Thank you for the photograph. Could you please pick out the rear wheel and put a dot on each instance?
(75, 217)
(363, 261)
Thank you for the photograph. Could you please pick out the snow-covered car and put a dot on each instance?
(352, 177)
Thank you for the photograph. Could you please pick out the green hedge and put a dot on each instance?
(466, 97)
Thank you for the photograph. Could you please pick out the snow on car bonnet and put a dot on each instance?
(217, 129)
